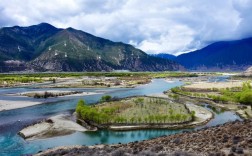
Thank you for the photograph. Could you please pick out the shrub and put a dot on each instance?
(246, 98)
(175, 90)
(139, 101)
(36, 95)
(193, 115)
(105, 98)
(80, 105)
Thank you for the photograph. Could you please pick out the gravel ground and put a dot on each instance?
(234, 138)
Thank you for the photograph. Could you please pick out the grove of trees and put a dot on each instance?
(115, 113)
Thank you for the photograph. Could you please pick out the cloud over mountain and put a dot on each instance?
(154, 26)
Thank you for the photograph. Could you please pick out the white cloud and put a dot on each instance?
(173, 26)
(175, 39)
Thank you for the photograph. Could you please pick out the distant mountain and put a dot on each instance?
(225, 56)
(165, 56)
(46, 48)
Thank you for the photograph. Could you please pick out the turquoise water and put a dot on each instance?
(12, 144)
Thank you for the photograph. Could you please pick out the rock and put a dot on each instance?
(157, 148)
(236, 139)
(249, 140)
(177, 141)
(231, 154)
(49, 120)
(233, 149)
(239, 150)
(225, 138)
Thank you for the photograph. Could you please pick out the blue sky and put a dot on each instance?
(155, 26)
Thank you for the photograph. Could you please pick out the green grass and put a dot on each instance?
(21, 79)
(137, 110)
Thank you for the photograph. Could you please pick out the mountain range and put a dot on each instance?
(219, 56)
(44, 47)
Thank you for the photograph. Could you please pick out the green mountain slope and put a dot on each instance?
(45, 48)
(21, 43)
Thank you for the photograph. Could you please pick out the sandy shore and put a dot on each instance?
(67, 93)
(8, 105)
(52, 127)
(202, 115)
(169, 81)
(30, 101)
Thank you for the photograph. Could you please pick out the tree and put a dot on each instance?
(171, 111)
(132, 119)
(146, 119)
(105, 98)
(46, 95)
(151, 118)
(184, 117)
(178, 117)
(246, 98)
(104, 118)
(81, 103)
(158, 118)
(193, 115)
(246, 86)
(139, 119)
(172, 117)
(139, 101)
(164, 117)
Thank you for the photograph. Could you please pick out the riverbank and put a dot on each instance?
(225, 95)
(232, 138)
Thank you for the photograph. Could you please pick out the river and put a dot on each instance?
(12, 121)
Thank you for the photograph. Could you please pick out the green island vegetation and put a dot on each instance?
(242, 95)
(135, 110)
(9, 79)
